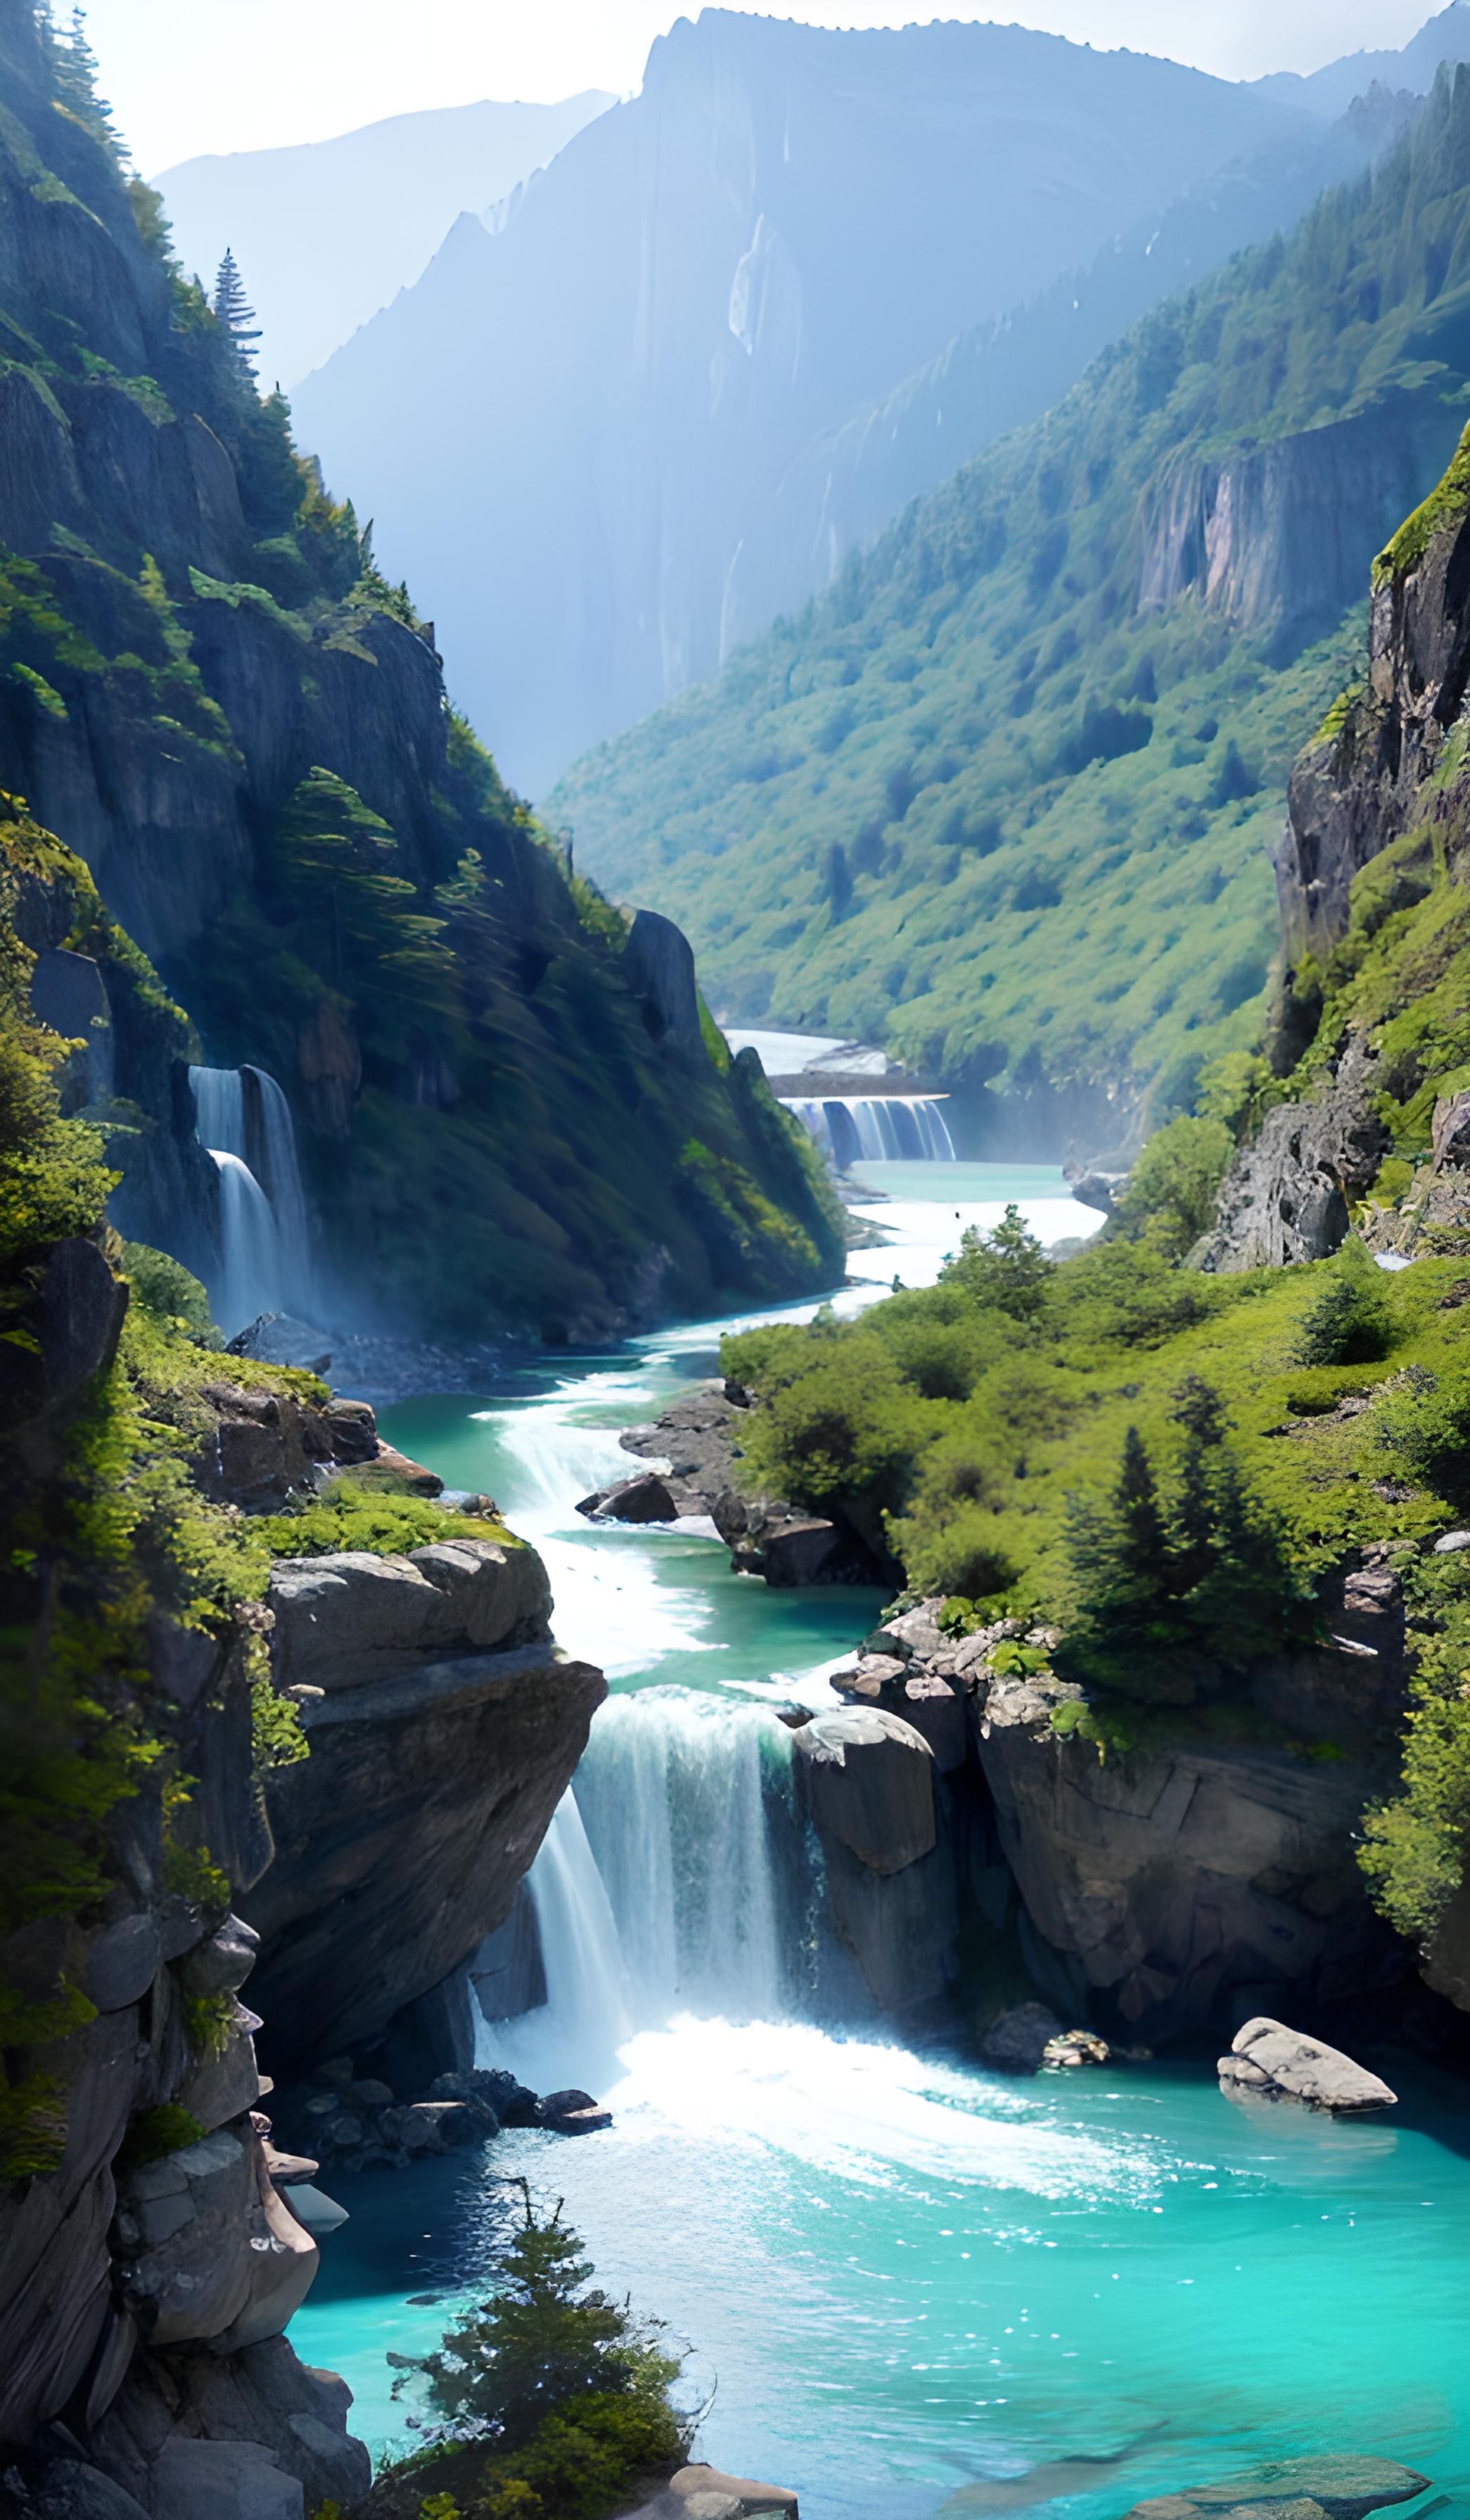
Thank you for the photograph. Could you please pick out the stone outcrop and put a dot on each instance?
(1287, 1194)
(1270, 2062)
(1339, 2487)
(696, 1444)
(345, 1620)
(445, 1732)
(867, 1782)
(704, 2493)
(1173, 1882)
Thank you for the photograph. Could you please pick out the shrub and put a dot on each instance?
(1169, 1199)
(1351, 1318)
(1414, 1846)
(1424, 1421)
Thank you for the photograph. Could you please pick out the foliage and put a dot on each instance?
(547, 2338)
(1169, 1199)
(1447, 500)
(1413, 1845)
(957, 1433)
(1424, 1424)
(346, 1518)
(1171, 1584)
(155, 2133)
(1006, 1267)
(1035, 915)
(1350, 1321)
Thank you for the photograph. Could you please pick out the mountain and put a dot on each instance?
(328, 233)
(1332, 89)
(783, 226)
(507, 1106)
(1003, 796)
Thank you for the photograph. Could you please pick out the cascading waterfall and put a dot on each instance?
(243, 1120)
(661, 1887)
(889, 1128)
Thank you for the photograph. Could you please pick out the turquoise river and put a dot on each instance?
(907, 2286)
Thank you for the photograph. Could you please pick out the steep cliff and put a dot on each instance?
(785, 223)
(242, 1668)
(210, 691)
(1003, 796)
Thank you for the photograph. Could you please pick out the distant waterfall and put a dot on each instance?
(243, 1120)
(885, 1129)
(658, 1888)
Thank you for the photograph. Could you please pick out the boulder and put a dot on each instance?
(810, 1551)
(1076, 2047)
(258, 2423)
(572, 2112)
(703, 2492)
(221, 1965)
(645, 1498)
(1268, 2062)
(1017, 2038)
(124, 1960)
(1343, 2487)
(343, 1620)
(658, 962)
(868, 1778)
(69, 2491)
(81, 1313)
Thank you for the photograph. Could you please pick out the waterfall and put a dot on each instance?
(243, 1120)
(658, 1888)
(887, 1128)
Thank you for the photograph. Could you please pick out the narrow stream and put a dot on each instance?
(864, 2248)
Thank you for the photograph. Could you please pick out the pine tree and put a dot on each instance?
(235, 314)
(75, 75)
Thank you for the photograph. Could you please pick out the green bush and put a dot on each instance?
(1415, 1845)
(1351, 1318)
(1005, 1268)
(1424, 1424)
(1169, 1199)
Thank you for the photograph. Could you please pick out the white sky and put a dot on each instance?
(187, 77)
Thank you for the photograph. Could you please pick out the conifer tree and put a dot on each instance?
(235, 314)
(76, 75)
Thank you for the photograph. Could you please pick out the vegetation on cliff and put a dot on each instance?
(1005, 795)
(1109, 1430)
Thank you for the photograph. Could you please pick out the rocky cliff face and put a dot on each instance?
(1371, 873)
(211, 695)
(1169, 1884)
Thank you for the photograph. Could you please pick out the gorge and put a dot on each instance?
(631, 1668)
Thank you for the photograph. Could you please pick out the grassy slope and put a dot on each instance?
(998, 908)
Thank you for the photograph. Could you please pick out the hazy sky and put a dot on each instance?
(189, 76)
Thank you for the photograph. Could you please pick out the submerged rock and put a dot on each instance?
(1344, 2488)
(703, 2492)
(1268, 2062)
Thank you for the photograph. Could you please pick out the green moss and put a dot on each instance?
(348, 1517)
(1338, 714)
(155, 2133)
(1446, 505)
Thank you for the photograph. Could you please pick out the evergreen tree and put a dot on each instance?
(546, 2339)
(1006, 1267)
(235, 314)
(73, 67)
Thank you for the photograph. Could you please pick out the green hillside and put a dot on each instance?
(1004, 796)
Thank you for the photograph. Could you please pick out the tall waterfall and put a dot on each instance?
(243, 1120)
(889, 1128)
(662, 1886)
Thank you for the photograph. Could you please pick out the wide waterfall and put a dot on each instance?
(243, 1120)
(671, 1880)
(886, 1128)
